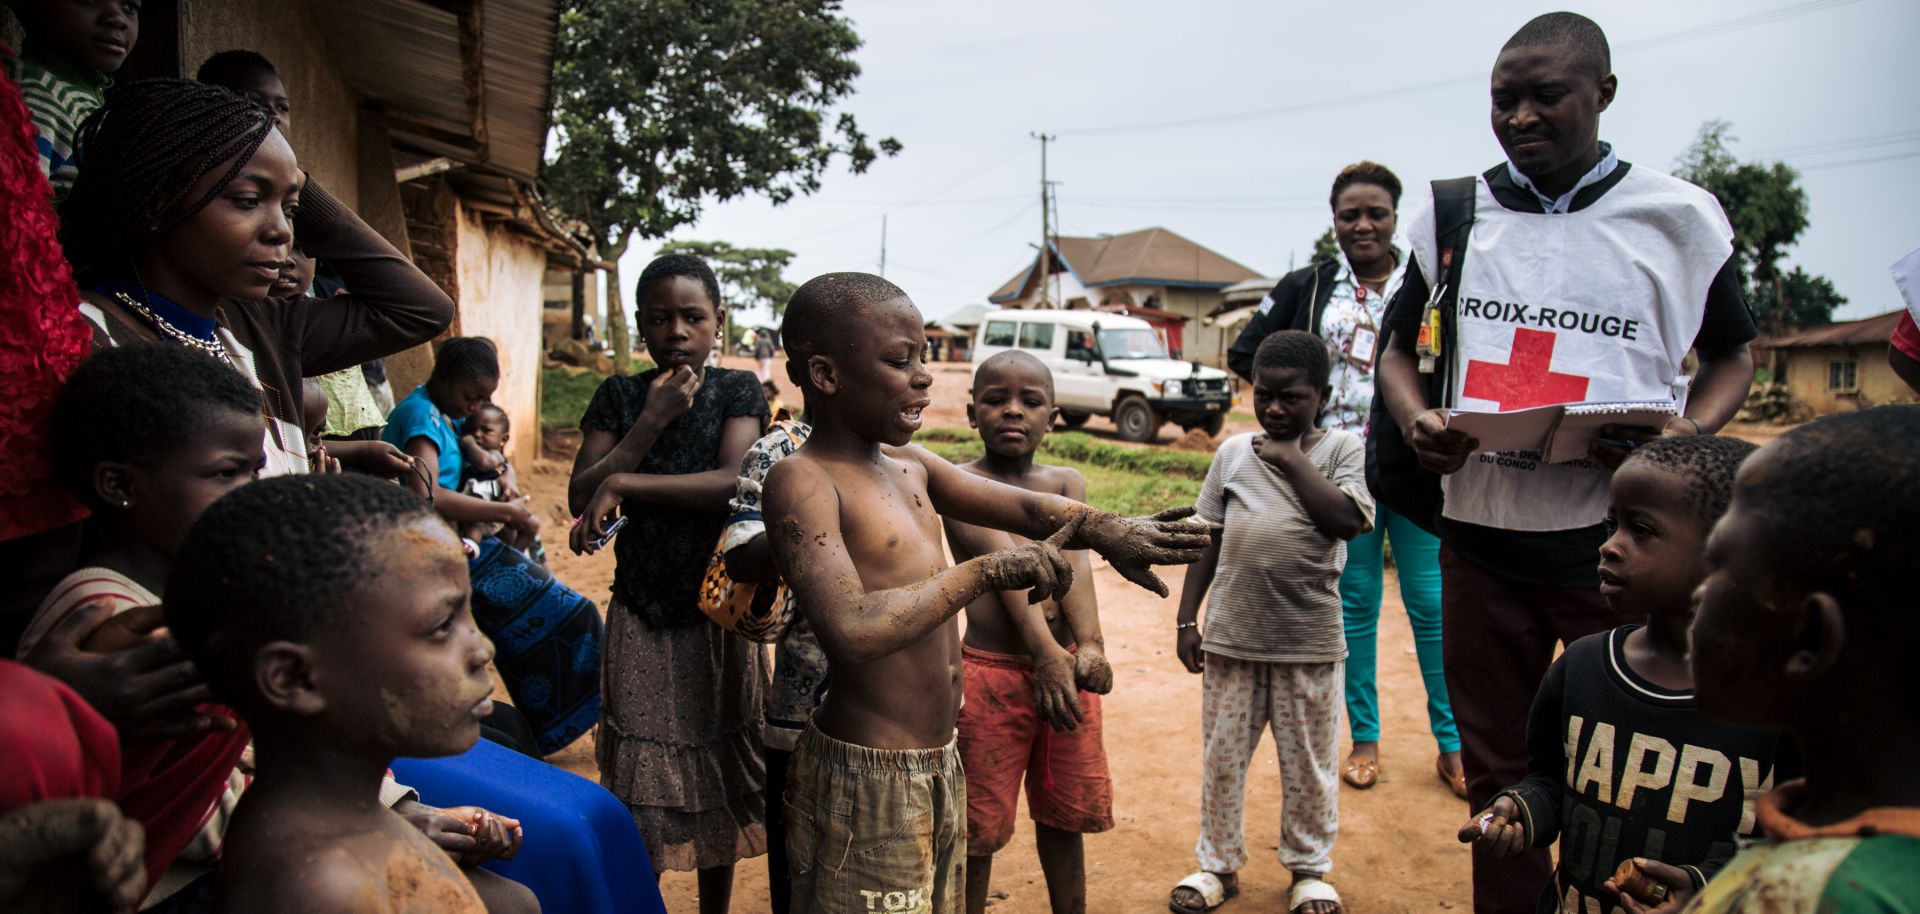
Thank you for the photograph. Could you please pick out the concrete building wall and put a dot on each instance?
(325, 125)
(499, 278)
(1807, 376)
(1198, 341)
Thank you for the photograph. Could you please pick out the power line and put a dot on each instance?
(1709, 30)
(1867, 161)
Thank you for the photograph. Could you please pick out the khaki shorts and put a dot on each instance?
(875, 830)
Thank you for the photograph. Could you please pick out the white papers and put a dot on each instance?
(1560, 433)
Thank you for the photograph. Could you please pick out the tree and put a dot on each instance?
(1809, 299)
(1325, 247)
(749, 277)
(1768, 210)
(661, 106)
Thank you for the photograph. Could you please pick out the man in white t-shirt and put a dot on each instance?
(1584, 278)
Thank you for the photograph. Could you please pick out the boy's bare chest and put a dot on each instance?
(891, 531)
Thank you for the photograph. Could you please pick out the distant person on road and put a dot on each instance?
(763, 355)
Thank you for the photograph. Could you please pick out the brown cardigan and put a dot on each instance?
(390, 306)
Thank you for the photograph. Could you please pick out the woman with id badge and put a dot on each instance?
(1345, 302)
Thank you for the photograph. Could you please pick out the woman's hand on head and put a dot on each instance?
(671, 395)
(148, 690)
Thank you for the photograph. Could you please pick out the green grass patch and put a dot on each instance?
(1128, 481)
(565, 393)
(1241, 415)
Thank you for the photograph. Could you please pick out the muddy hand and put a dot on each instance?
(1054, 692)
(1134, 544)
(1038, 565)
(40, 836)
(1091, 671)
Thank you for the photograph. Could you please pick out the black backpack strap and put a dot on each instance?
(1453, 204)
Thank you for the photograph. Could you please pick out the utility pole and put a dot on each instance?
(1046, 223)
(883, 245)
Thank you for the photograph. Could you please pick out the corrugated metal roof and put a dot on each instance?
(404, 55)
(1850, 333)
(1154, 256)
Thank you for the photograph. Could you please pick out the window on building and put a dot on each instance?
(1843, 375)
(999, 333)
(1036, 336)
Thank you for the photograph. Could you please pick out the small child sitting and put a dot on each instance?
(1807, 623)
(1615, 744)
(333, 612)
(1274, 644)
(486, 474)
(1025, 664)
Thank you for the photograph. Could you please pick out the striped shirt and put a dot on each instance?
(1276, 593)
(59, 96)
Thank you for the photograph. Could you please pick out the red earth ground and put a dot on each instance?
(1396, 851)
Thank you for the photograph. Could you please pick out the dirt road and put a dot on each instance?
(1396, 849)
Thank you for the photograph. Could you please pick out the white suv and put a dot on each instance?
(1110, 365)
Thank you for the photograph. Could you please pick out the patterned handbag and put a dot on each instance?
(756, 612)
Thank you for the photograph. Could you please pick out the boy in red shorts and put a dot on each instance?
(1026, 665)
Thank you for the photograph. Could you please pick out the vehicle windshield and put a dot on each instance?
(1131, 344)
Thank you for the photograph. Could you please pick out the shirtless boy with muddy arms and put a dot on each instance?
(875, 798)
(1027, 665)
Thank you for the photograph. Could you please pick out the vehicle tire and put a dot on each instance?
(1136, 419)
(1074, 419)
(1215, 423)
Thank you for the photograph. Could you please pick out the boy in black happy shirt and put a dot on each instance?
(1621, 765)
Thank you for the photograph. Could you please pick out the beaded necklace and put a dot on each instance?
(166, 328)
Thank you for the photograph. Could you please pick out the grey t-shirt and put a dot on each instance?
(1276, 593)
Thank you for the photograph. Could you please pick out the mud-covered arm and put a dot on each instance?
(1131, 545)
(1029, 619)
(810, 551)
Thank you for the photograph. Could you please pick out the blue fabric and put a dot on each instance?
(417, 417)
(582, 853)
(166, 308)
(547, 639)
(1416, 558)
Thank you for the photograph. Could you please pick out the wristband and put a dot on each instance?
(1696, 431)
(1180, 625)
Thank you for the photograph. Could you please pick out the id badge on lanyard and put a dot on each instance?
(1364, 343)
(1428, 343)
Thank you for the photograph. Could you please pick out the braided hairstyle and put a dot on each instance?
(145, 150)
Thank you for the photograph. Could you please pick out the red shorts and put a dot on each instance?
(1002, 738)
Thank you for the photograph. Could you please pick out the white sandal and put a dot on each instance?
(1306, 891)
(1213, 893)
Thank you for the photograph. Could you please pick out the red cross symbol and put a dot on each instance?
(1528, 378)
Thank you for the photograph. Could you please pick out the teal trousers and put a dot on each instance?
(1416, 557)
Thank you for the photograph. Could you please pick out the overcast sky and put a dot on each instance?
(1226, 122)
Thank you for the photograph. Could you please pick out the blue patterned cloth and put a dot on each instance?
(547, 642)
(582, 855)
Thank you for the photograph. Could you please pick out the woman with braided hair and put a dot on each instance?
(180, 220)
